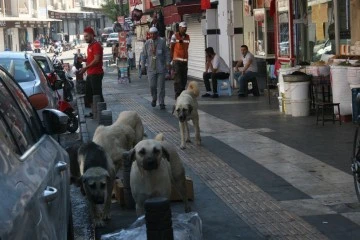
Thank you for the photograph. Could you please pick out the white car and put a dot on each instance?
(112, 39)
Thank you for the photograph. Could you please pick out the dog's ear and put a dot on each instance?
(129, 155)
(165, 154)
(190, 108)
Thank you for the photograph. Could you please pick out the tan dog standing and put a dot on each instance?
(186, 109)
(121, 136)
(156, 165)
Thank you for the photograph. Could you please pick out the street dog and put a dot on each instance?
(121, 136)
(97, 176)
(186, 109)
(156, 165)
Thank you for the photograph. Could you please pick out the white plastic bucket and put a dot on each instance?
(284, 71)
(287, 106)
(353, 75)
(299, 90)
(341, 89)
(300, 108)
(317, 71)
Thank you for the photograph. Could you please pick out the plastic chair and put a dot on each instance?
(224, 87)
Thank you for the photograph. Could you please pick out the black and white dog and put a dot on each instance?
(97, 177)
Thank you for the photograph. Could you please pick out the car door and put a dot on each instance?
(37, 177)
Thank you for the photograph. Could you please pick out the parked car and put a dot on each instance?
(112, 39)
(30, 77)
(34, 169)
(105, 33)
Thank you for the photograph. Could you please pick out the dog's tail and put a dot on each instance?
(159, 137)
(194, 88)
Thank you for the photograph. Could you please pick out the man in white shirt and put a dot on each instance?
(215, 69)
(247, 73)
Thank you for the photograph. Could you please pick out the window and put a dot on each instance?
(24, 133)
(23, 69)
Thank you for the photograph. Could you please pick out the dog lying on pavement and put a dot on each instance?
(97, 176)
(186, 109)
(121, 136)
(156, 165)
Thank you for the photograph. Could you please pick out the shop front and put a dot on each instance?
(17, 35)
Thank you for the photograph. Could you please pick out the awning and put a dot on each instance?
(173, 13)
(18, 22)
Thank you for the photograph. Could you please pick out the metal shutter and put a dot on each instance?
(196, 62)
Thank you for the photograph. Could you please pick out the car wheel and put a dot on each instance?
(70, 228)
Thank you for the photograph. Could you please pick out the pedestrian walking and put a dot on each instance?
(215, 69)
(179, 46)
(130, 58)
(157, 58)
(128, 41)
(93, 68)
(115, 51)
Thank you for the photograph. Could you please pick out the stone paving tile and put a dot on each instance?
(247, 200)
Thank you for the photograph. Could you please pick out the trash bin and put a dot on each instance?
(355, 105)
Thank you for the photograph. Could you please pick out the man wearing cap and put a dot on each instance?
(179, 54)
(157, 57)
(93, 68)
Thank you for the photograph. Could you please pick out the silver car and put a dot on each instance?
(34, 169)
(112, 39)
(31, 78)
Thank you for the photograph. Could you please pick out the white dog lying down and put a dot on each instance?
(186, 109)
(156, 165)
(121, 136)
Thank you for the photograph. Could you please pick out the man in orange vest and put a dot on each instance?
(179, 54)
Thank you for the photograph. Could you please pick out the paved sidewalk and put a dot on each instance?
(249, 183)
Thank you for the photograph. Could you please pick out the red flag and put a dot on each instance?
(205, 4)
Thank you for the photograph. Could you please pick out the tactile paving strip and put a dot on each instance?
(250, 203)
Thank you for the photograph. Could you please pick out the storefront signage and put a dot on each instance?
(72, 15)
(122, 44)
(23, 24)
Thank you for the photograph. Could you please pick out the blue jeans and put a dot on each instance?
(243, 80)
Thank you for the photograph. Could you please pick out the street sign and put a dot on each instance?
(37, 44)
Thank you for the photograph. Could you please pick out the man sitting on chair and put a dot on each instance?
(247, 73)
(216, 68)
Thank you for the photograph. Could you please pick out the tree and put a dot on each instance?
(112, 9)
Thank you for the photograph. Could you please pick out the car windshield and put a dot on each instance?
(108, 30)
(113, 35)
(23, 71)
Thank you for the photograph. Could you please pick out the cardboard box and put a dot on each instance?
(118, 191)
(189, 191)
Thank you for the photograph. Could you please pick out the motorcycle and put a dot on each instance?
(56, 78)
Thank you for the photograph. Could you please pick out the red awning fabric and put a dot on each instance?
(173, 13)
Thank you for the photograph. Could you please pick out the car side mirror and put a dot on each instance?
(55, 121)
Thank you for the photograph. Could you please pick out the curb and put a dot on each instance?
(82, 121)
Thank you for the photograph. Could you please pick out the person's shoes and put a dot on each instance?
(162, 106)
(215, 95)
(153, 103)
(206, 95)
(90, 115)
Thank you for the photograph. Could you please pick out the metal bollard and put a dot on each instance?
(100, 107)
(105, 118)
(128, 198)
(158, 219)
(96, 99)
